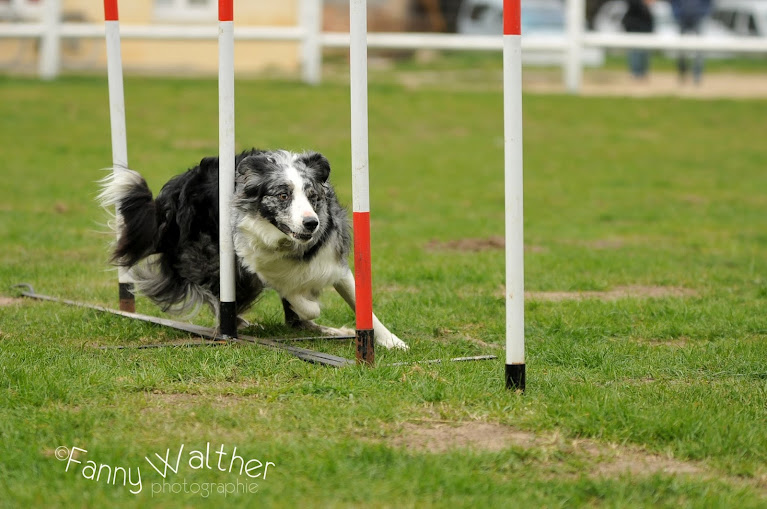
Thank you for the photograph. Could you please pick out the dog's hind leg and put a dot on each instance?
(383, 336)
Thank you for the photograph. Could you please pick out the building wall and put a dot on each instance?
(167, 57)
(201, 57)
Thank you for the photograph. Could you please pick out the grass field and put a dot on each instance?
(646, 325)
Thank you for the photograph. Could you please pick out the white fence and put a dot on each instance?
(307, 31)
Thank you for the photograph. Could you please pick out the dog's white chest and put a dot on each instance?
(291, 276)
(284, 273)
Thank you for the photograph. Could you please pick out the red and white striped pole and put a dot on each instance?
(117, 126)
(512, 120)
(358, 57)
(227, 300)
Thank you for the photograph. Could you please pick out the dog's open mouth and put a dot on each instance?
(301, 236)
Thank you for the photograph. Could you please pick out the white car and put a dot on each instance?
(540, 18)
(743, 17)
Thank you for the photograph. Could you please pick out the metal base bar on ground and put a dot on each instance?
(211, 336)
(206, 332)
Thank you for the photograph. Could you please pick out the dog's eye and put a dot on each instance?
(283, 196)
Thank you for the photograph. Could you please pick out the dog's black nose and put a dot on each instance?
(311, 223)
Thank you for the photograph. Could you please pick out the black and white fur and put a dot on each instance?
(290, 234)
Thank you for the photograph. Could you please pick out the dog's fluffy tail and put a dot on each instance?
(136, 223)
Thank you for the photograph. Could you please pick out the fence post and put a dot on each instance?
(310, 19)
(574, 20)
(49, 61)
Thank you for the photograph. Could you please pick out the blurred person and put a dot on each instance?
(689, 15)
(638, 19)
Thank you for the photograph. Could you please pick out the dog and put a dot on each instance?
(290, 234)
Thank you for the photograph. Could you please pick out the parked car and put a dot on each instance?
(540, 18)
(742, 17)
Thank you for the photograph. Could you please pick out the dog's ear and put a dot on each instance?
(254, 167)
(317, 164)
(255, 164)
(251, 172)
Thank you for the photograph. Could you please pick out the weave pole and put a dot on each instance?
(512, 121)
(117, 127)
(358, 56)
(227, 304)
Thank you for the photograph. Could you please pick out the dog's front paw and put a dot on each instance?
(314, 328)
(390, 341)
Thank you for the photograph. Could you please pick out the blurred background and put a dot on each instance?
(575, 45)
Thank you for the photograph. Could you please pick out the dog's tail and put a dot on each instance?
(136, 217)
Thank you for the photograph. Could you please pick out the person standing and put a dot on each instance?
(638, 19)
(689, 15)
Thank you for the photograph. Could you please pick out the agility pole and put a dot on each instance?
(117, 123)
(228, 307)
(512, 121)
(358, 59)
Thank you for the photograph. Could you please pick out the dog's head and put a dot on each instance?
(281, 195)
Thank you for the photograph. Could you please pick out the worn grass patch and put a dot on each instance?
(620, 292)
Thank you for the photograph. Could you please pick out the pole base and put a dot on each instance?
(515, 377)
(227, 324)
(365, 347)
(127, 299)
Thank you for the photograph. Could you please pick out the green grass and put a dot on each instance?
(660, 192)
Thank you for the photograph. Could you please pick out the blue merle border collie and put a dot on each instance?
(290, 234)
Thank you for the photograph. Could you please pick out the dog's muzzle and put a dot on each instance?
(309, 225)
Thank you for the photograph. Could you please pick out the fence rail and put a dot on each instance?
(571, 44)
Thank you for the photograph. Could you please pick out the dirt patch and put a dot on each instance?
(606, 460)
(475, 245)
(438, 437)
(643, 464)
(467, 245)
(596, 82)
(229, 397)
(483, 344)
(617, 83)
(613, 460)
(679, 342)
(606, 244)
(9, 301)
(619, 292)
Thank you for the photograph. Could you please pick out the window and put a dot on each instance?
(185, 11)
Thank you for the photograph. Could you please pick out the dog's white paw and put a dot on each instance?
(340, 331)
(312, 327)
(390, 341)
